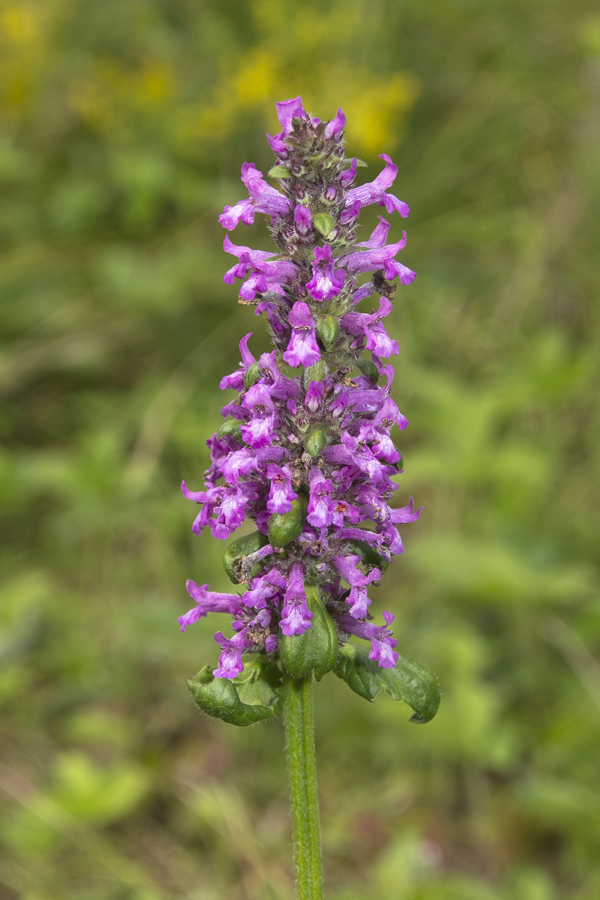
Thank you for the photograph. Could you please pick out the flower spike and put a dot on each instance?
(306, 453)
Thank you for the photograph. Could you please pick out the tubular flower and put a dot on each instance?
(308, 457)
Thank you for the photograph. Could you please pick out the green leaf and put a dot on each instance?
(323, 223)
(244, 701)
(316, 650)
(279, 172)
(408, 681)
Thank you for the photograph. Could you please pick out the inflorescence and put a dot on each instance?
(305, 450)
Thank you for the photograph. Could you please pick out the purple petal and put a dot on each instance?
(336, 126)
(288, 110)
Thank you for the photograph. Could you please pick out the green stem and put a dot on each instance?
(302, 772)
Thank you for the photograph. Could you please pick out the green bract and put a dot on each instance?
(247, 699)
(328, 329)
(408, 681)
(238, 550)
(317, 649)
(316, 440)
(286, 527)
(323, 223)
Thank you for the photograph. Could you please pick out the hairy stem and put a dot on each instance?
(302, 771)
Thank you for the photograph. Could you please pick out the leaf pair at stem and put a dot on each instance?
(256, 694)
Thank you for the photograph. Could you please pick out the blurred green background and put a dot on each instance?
(124, 125)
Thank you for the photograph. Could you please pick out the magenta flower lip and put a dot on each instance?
(308, 456)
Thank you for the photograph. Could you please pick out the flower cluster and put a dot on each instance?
(305, 451)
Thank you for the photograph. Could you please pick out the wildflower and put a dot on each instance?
(308, 457)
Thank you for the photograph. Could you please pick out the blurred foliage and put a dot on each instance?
(124, 125)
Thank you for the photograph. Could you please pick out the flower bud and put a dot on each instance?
(235, 553)
(317, 649)
(288, 526)
(328, 329)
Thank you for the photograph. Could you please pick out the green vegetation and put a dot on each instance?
(124, 125)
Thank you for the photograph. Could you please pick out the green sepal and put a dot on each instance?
(317, 649)
(239, 549)
(316, 440)
(346, 163)
(328, 329)
(231, 427)
(279, 172)
(369, 555)
(286, 527)
(250, 698)
(368, 368)
(408, 681)
(251, 375)
(318, 372)
(323, 223)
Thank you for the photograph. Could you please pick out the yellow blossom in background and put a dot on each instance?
(305, 51)
(106, 97)
(25, 34)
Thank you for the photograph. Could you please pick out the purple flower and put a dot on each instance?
(344, 510)
(288, 110)
(236, 379)
(406, 513)
(280, 492)
(258, 432)
(303, 220)
(334, 128)
(295, 615)
(347, 177)
(230, 660)
(239, 464)
(380, 258)
(378, 340)
(325, 283)
(320, 505)
(314, 395)
(362, 457)
(382, 642)
(264, 588)
(302, 349)
(207, 601)
(375, 192)
(379, 236)
(248, 260)
(390, 414)
(358, 599)
(263, 273)
(263, 199)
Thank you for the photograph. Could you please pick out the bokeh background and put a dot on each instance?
(124, 126)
